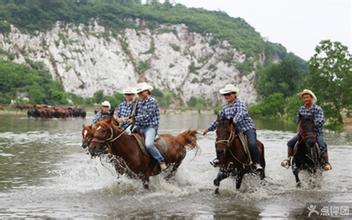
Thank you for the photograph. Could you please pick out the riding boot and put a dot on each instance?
(162, 165)
(215, 162)
(326, 164)
(287, 162)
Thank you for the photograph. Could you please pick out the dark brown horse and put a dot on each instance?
(233, 159)
(307, 153)
(109, 136)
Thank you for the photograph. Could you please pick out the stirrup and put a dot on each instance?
(327, 166)
(286, 163)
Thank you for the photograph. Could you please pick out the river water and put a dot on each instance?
(45, 173)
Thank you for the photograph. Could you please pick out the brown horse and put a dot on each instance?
(87, 135)
(233, 159)
(109, 136)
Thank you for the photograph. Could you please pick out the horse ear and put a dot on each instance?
(112, 112)
(83, 125)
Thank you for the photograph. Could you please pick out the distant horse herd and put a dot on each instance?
(45, 111)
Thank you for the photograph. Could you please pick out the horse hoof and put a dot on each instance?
(217, 191)
(299, 184)
(146, 186)
(216, 182)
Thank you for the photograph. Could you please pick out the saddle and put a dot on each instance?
(159, 143)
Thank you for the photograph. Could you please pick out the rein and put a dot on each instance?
(111, 139)
(228, 142)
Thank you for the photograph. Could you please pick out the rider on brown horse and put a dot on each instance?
(125, 109)
(147, 121)
(310, 109)
(236, 110)
(104, 110)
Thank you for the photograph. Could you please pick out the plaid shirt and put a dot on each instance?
(148, 114)
(315, 111)
(124, 110)
(238, 112)
(96, 117)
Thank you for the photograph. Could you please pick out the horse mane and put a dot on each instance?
(189, 137)
(222, 121)
(109, 123)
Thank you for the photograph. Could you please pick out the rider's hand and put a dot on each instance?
(130, 121)
(205, 131)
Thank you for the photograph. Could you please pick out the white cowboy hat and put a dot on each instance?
(106, 104)
(307, 91)
(129, 90)
(143, 87)
(229, 88)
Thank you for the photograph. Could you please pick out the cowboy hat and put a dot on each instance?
(128, 91)
(141, 87)
(229, 88)
(309, 92)
(106, 104)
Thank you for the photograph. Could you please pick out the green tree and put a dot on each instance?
(98, 96)
(331, 79)
(286, 77)
(271, 106)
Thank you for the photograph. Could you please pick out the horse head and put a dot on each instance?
(87, 135)
(307, 130)
(225, 133)
(189, 138)
(104, 134)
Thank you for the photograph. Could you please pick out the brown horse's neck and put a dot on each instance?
(124, 146)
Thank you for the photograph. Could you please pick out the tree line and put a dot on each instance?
(328, 74)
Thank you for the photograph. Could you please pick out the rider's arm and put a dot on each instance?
(319, 118)
(239, 111)
(96, 117)
(212, 126)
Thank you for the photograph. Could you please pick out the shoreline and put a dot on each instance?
(347, 125)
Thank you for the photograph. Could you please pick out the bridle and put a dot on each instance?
(229, 140)
(107, 142)
(228, 143)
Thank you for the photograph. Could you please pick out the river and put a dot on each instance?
(45, 173)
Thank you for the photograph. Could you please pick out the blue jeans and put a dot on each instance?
(320, 140)
(251, 135)
(150, 133)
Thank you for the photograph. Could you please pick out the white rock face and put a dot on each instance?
(171, 58)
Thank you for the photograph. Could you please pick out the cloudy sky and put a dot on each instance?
(299, 25)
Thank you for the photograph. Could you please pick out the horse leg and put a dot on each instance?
(145, 181)
(239, 179)
(173, 171)
(221, 175)
(176, 165)
(298, 181)
(262, 174)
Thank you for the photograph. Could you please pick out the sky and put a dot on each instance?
(299, 25)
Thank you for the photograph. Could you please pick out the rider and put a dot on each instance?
(124, 110)
(309, 108)
(236, 110)
(147, 120)
(104, 110)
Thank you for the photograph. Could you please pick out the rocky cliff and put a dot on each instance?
(88, 58)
